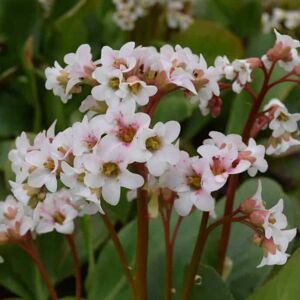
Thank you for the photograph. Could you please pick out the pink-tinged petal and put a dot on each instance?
(38, 178)
(93, 180)
(156, 166)
(203, 201)
(242, 166)
(172, 130)
(183, 204)
(35, 158)
(44, 227)
(130, 180)
(111, 192)
(51, 183)
(66, 228)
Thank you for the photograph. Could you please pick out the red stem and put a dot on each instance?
(29, 247)
(169, 244)
(71, 241)
(198, 250)
(121, 253)
(234, 179)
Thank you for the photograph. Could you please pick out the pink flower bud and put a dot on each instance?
(254, 62)
(258, 217)
(296, 70)
(215, 105)
(257, 239)
(280, 52)
(248, 205)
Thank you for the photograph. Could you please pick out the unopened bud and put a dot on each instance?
(254, 62)
(248, 205)
(257, 217)
(257, 239)
(296, 70)
(215, 105)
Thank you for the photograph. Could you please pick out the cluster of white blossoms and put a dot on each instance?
(280, 19)
(177, 12)
(195, 178)
(270, 225)
(283, 125)
(60, 176)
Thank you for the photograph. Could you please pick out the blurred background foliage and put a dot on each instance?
(32, 38)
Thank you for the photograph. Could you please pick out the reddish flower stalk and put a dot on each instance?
(120, 251)
(29, 247)
(169, 244)
(234, 179)
(71, 241)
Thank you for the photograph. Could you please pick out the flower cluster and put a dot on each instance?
(116, 145)
(177, 12)
(270, 226)
(283, 125)
(280, 19)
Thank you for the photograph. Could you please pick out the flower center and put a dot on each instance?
(126, 134)
(111, 169)
(49, 164)
(59, 218)
(135, 88)
(153, 143)
(217, 167)
(282, 117)
(194, 181)
(80, 177)
(91, 141)
(114, 83)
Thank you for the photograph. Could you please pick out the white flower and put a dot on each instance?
(15, 218)
(107, 169)
(79, 66)
(255, 154)
(241, 70)
(279, 145)
(44, 165)
(283, 122)
(224, 155)
(87, 134)
(17, 157)
(191, 179)
(284, 51)
(55, 213)
(57, 79)
(137, 90)
(109, 88)
(73, 177)
(157, 145)
(125, 126)
(122, 59)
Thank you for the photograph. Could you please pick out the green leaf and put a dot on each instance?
(235, 15)
(15, 115)
(284, 285)
(211, 286)
(210, 39)
(174, 106)
(111, 283)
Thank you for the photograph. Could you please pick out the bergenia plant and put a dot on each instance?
(118, 153)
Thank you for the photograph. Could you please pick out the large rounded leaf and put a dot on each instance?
(210, 39)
